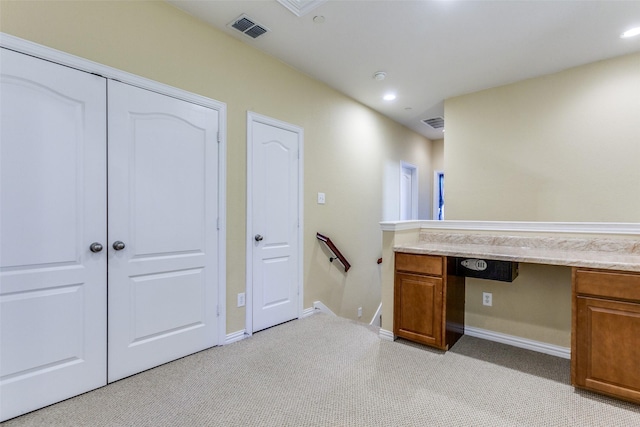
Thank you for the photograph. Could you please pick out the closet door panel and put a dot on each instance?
(163, 203)
(52, 208)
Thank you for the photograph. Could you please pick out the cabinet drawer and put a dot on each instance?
(618, 285)
(424, 264)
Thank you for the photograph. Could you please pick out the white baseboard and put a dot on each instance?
(235, 336)
(307, 312)
(375, 320)
(242, 334)
(322, 308)
(540, 347)
(386, 335)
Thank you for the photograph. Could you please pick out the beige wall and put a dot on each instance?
(348, 147)
(562, 147)
(537, 305)
(437, 155)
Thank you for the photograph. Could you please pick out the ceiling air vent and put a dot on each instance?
(435, 122)
(248, 26)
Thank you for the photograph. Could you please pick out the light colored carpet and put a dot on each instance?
(329, 371)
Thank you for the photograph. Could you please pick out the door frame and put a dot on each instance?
(43, 52)
(259, 118)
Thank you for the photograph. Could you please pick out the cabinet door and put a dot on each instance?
(418, 309)
(608, 347)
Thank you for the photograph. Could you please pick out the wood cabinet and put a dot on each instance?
(605, 343)
(428, 300)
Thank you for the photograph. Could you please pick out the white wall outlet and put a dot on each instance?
(241, 299)
(487, 299)
(359, 311)
(321, 198)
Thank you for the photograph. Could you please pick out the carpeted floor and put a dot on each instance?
(329, 371)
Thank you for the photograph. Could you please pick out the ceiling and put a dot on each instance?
(430, 50)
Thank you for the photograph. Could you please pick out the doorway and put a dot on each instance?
(408, 191)
(274, 222)
(438, 195)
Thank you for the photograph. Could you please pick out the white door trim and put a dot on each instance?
(24, 46)
(258, 118)
(53, 55)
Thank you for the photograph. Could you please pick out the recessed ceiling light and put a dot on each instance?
(630, 33)
(389, 97)
(318, 19)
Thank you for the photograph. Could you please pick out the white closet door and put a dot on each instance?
(163, 206)
(52, 208)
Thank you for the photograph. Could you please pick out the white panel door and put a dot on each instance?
(408, 191)
(52, 208)
(274, 219)
(406, 187)
(163, 207)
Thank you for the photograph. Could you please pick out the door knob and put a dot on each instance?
(118, 245)
(95, 247)
(258, 237)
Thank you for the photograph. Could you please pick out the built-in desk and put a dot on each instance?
(605, 330)
(606, 254)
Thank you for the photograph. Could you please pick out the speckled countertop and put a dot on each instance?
(610, 254)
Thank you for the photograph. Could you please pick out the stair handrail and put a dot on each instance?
(332, 247)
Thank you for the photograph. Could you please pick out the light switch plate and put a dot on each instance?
(321, 198)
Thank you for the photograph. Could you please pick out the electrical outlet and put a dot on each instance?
(487, 299)
(241, 299)
(359, 311)
(321, 198)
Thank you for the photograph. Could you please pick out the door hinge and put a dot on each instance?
(218, 223)
(218, 137)
(217, 311)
